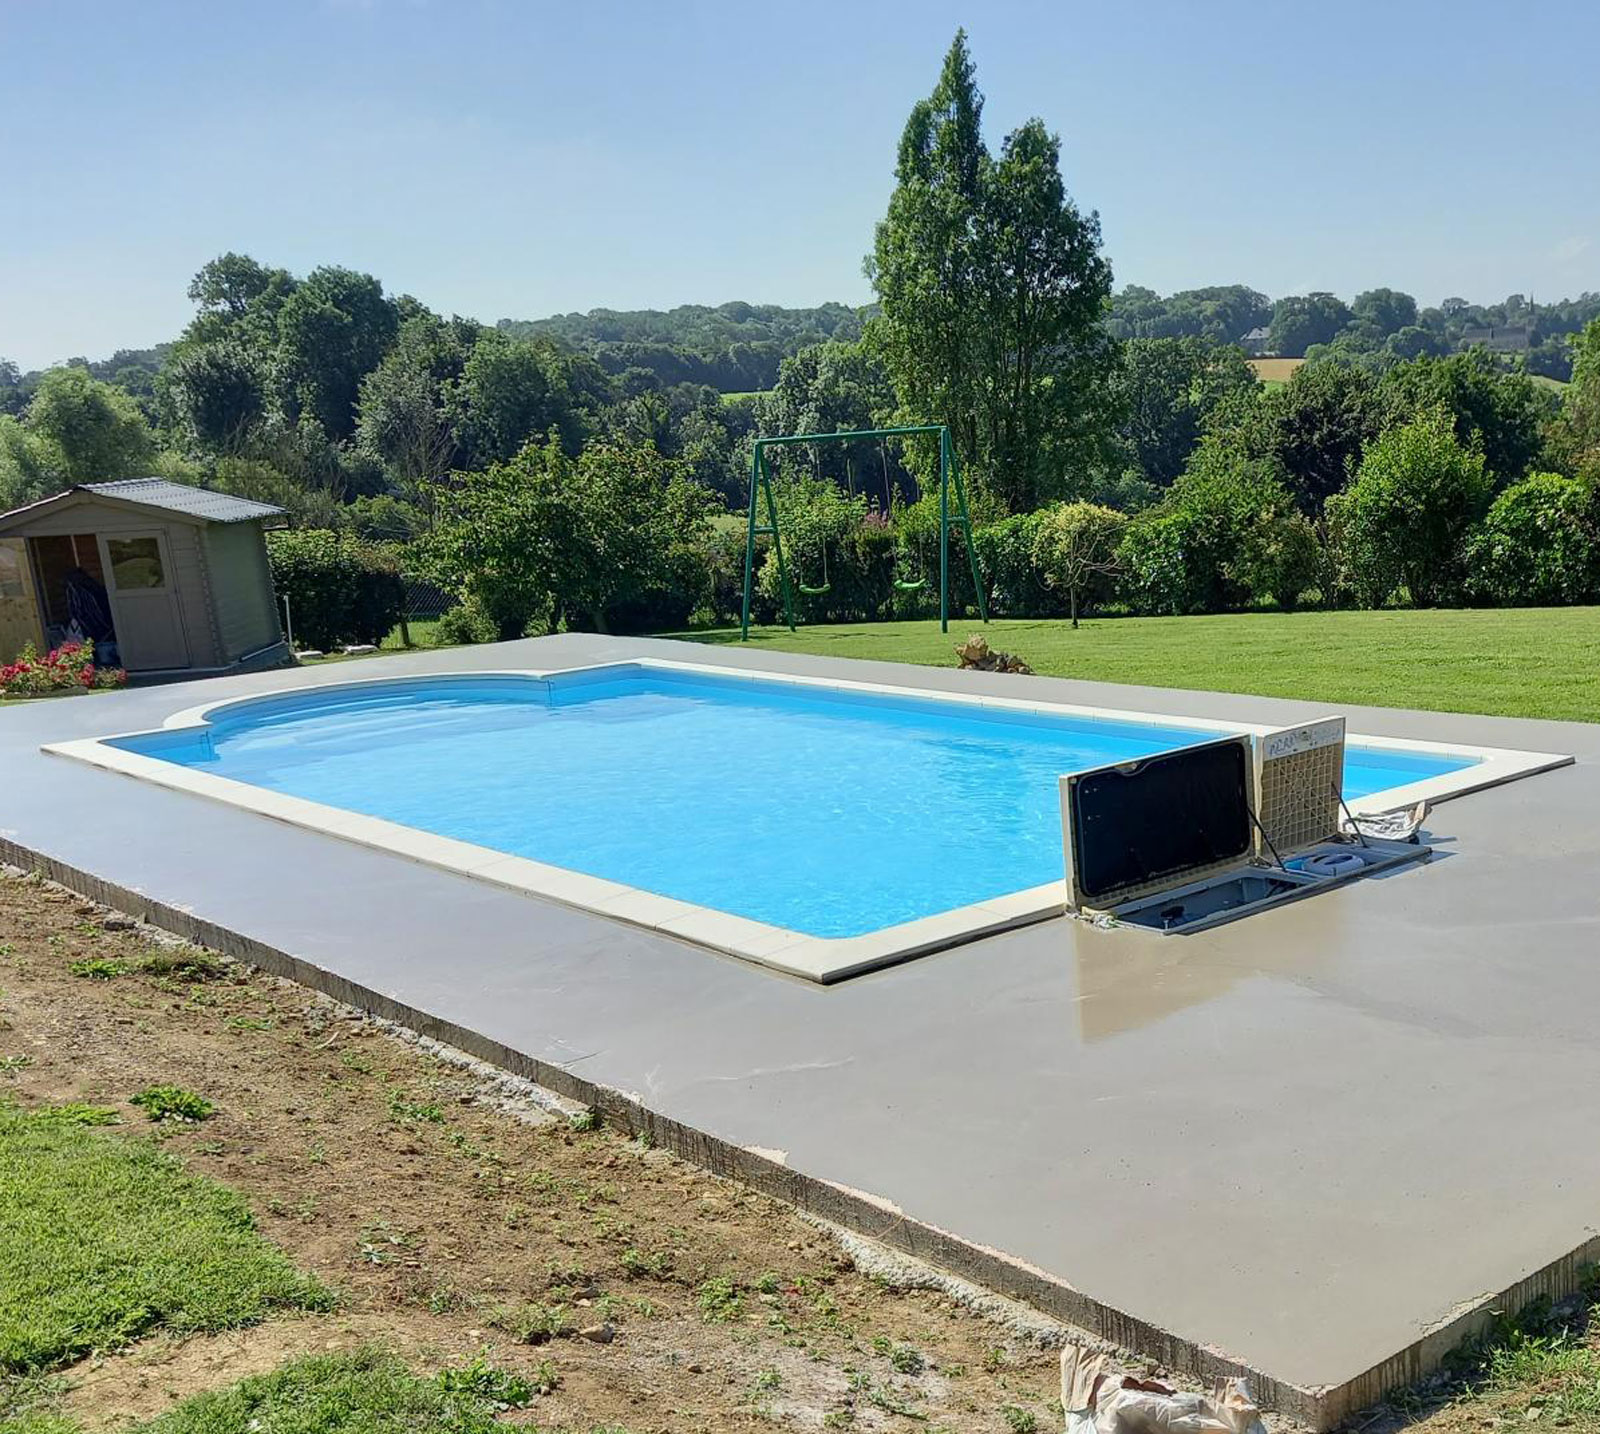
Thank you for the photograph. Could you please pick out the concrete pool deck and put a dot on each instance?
(1314, 1145)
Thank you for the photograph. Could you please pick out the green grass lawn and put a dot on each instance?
(424, 633)
(103, 1238)
(1513, 662)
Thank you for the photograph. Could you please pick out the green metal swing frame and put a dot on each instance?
(953, 513)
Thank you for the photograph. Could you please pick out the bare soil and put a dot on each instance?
(450, 1226)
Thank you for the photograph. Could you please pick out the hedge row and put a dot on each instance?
(1418, 524)
(340, 589)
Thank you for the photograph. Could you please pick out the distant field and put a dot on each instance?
(1275, 370)
(1512, 662)
(740, 397)
(1544, 381)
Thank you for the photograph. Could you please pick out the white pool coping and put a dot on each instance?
(814, 958)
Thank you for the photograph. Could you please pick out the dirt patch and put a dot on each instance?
(452, 1219)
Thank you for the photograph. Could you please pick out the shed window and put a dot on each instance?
(135, 563)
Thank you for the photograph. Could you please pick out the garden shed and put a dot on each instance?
(175, 577)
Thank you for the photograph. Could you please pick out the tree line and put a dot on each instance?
(1376, 330)
(572, 471)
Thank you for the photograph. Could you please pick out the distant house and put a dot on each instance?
(176, 576)
(1505, 340)
(1255, 345)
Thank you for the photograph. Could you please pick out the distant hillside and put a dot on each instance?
(734, 348)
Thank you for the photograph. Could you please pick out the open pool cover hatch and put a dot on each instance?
(1159, 821)
(1187, 839)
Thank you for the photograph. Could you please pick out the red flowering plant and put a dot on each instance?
(62, 669)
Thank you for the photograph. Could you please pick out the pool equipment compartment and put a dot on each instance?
(1188, 839)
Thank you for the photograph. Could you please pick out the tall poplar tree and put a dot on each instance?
(992, 289)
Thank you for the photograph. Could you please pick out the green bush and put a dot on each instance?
(677, 587)
(611, 538)
(466, 622)
(1075, 551)
(1168, 566)
(830, 542)
(723, 554)
(1013, 584)
(1538, 546)
(1282, 558)
(340, 589)
(1403, 523)
(917, 552)
(1226, 536)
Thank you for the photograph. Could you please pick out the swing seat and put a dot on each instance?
(910, 585)
(815, 592)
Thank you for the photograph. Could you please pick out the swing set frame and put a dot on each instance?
(953, 513)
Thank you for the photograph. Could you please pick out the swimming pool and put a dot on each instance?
(768, 811)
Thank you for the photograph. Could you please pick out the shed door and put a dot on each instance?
(19, 603)
(144, 601)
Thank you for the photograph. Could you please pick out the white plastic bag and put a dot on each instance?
(1100, 1401)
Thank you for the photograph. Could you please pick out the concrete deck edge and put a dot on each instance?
(1320, 1407)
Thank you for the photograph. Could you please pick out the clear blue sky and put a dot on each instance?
(509, 158)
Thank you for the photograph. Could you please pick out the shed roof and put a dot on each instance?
(180, 498)
(196, 504)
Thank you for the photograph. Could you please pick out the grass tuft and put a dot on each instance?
(186, 963)
(488, 1385)
(720, 1300)
(172, 1102)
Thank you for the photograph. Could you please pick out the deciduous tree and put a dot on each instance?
(546, 536)
(1302, 320)
(97, 430)
(1075, 543)
(1165, 389)
(1311, 430)
(406, 422)
(333, 330)
(217, 392)
(992, 288)
(1404, 521)
(509, 392)
(1503, 414)
(1387, 310)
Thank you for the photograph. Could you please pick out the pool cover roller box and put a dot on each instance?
(1185, 839)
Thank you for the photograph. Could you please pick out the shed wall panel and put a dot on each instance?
(241, 589)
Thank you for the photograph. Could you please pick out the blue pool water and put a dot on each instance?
(826, 812)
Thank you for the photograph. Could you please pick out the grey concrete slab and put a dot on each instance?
(1309, 1143)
